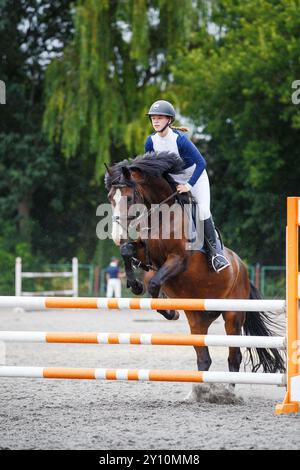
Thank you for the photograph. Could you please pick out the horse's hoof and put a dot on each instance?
(153, 289)
(138, 288)
(176, 315)
(169, 314)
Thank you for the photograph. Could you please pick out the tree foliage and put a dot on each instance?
(118, 63)
(237, 83)
(40, 194)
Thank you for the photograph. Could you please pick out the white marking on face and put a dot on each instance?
(118, 231)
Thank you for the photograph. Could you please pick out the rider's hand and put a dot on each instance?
(182, 188)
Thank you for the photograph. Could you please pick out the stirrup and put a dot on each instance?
(222, 259)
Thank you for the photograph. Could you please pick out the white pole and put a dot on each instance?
(75, 276)
(18, 277)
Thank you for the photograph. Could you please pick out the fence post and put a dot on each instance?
(75, 277)
(18, 277)
(96, 280)
(257, 276)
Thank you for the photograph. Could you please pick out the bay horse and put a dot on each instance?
(181, 273)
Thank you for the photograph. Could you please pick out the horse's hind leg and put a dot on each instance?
(199, 324)
(233, 326)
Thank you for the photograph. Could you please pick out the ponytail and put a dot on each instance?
(182, 129)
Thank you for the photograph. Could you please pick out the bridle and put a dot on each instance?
(137, 194)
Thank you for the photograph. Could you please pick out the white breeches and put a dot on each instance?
(113, 288)
(200, 190)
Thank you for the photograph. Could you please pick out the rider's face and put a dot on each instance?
(159, 121)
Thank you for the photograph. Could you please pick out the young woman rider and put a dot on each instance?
(194, 177)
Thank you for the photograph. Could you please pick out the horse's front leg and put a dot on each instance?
(174, 265)
(128, 251)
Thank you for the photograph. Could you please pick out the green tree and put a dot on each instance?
(31, 33)
(117, 64)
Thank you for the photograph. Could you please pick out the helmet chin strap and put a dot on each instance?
(165, 127)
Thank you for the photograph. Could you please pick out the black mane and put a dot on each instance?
(151, 164)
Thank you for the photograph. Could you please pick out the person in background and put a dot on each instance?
(113, 281)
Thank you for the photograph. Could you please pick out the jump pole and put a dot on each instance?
(159, 339)
(45, 303)
(143, 375)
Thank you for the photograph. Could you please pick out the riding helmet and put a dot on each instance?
(163, 108)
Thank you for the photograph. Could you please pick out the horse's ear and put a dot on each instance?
(109, 171)
(126, 173)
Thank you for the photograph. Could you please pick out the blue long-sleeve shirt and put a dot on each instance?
(113, 271)
(175, 141)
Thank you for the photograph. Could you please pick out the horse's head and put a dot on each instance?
(139, 181)
(124, 187)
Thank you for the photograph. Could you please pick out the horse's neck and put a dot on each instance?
(158, 189)
(168, 228)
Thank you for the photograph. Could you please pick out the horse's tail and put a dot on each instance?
(260, 324)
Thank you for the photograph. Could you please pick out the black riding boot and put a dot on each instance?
(218, 261)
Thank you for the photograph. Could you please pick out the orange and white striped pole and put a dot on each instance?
(103, 303)
(143, 375)
(292, 398)
(154, 339)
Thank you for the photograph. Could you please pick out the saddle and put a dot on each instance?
(185, 199)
